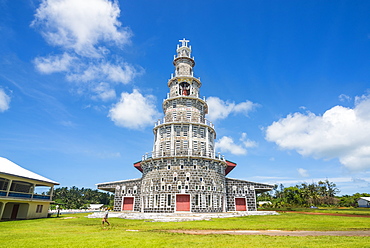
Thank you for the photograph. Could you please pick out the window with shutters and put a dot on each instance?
(185, 131)
(201, 132)
(195, 145)
(178, 131)
(195, 131)
(168, 131)
(168, 145)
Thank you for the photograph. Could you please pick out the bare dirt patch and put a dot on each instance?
(275, 232)
(331, 214)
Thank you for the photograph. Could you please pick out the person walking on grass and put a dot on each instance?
(105, 217)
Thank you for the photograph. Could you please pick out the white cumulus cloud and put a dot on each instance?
(4, 101)
(219, 109)
(85, 31)
(134, 111)
(104, 92)
(302, 172)
(227, 144)
(80, 25)
(115, 73)
(344, 98)
(54, 63)
(341, 132)
(247, 142)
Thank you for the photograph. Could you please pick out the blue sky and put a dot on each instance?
(287, 83)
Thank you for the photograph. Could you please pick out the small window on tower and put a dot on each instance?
(168, 145)
(188, 115)
(174, 103)
(202, 132)
(168, 131)
(195, 131)
(195, 145)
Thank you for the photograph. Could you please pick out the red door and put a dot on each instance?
(128, 204)
(240, 204)
(182, 202)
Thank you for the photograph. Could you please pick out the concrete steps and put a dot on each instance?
(178, 217)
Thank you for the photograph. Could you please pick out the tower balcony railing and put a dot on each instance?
(184, 120)
(183, 153)
(190, 96)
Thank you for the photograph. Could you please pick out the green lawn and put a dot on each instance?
(84, 232)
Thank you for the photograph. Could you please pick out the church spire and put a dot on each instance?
(182, 61)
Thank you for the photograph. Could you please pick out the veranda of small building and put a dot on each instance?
(21, 194)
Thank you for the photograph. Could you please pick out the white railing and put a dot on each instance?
(190, 96)
(183, 153)
(184, 120)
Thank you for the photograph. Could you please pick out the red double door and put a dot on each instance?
(128, 204)
(182, 202)
(240, 204)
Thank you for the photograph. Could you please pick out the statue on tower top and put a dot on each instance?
(184, 50)
(184, 42)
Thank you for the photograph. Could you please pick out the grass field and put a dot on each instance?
(80, 231)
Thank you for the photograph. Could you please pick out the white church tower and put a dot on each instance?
(184, 131)
(183, 172)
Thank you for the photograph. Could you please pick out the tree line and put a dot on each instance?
(322, 193)
(75, 198)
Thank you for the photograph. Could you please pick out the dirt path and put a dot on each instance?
(332, 214)
(275, 232)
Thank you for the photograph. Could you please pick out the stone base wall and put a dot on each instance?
(236, 188)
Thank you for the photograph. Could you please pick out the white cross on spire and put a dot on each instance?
(184, 42)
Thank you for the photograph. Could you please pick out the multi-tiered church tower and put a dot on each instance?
(183, 172)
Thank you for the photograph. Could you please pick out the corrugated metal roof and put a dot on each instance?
(10, 168)
(365, 198)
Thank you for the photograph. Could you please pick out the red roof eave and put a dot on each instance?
(230, 166)
(137, 165)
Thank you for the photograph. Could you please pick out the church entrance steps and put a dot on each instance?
(178, 217)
